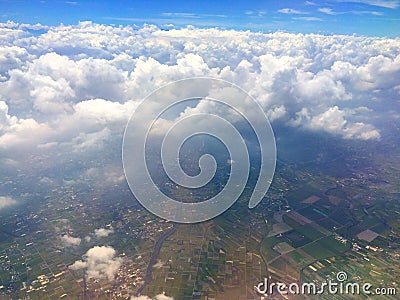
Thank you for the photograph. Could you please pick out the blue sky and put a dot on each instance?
(362, 17)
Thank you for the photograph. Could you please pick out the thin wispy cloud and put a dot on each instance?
(192, 15)
(367, 12)
(328, 11)
(251, 13)
(381, 3)
(292, 11)
(180, 15)
(308, 19)
(162, 21)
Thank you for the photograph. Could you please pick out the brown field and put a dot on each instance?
(311, 199)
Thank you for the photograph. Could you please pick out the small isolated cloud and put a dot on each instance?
(6, 201)
(292, 11)
(327, 10)
(99, 262)
(102, 232)
(70, 241)
(158, 297)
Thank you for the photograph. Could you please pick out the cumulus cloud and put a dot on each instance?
(15, 132)
(102, 232)
(70, 241)
(99, 262)
(6, 201)
(71, 89)
(333, 120)
(107, 175)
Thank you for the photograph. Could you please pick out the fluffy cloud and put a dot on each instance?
(71, 89)
(6, 201)
(5, 119)
(102, 232)
(99, 262)
(70, 241)
(333, 120)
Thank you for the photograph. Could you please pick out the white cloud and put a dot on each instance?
(105, 176)
(70, 241)
(5, 119)
(381, 3)
(90, 141)
(6, 201)
(309, 19)
(292, 11)
(103, 111)
(12, 57)
(276, 113)
(367, 12)
(99, 262)
(16, 132)
(102, 232)
(71, 89)
(327, 10)
(333, 121)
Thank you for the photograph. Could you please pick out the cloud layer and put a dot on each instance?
(70, 90)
